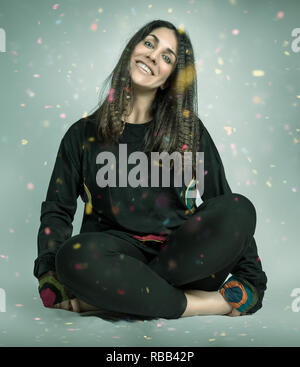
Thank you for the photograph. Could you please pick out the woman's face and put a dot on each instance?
(158, 51)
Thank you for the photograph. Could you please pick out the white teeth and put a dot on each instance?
(144, 67)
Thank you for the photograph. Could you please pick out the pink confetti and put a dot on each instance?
(235, 32)
(280, 14)
(62, 115)
(48, 106)
(30, 186)
(184, 147)
(111, 95)
(94, 27)
(47, 231)
(39, 40)
(55, 6)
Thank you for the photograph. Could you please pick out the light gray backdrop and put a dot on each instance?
(52, 64)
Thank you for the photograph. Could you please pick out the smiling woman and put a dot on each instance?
(152, 81)
(147, 250)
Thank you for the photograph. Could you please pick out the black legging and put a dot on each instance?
(105, 269)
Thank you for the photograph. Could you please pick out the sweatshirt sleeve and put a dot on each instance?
(249, 267)
(59, 207)
(215, 182)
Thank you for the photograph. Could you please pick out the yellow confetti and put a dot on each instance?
(24, 141)
(228, 129)
(181, 28)
(258, 73)
(220, 61)
(211, 340)
(268, 183)
(186, 113)
(59, 180)
(218, 71)
(76, 246)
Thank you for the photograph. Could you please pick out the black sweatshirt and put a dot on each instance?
(148, 213)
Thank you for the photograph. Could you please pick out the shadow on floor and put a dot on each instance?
(117, 316)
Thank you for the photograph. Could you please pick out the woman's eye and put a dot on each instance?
(164, 55)
(147, 42)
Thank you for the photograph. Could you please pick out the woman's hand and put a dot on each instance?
(52, 291)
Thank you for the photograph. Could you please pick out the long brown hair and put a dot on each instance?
(175, 125)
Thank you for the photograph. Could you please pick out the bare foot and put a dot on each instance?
(205, 303)
(84, 307)
(75, 305)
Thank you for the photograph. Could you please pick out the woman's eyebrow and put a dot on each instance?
(157, 40)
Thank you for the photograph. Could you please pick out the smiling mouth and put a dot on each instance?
(144, 71)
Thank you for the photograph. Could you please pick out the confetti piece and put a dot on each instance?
(258, 73)
(94, 27)
(111, 95)
(24, 141)
(30, 186)
(76, 246)
(47, 231)
(235, 32)
(81, 266)
(280, 14)
(184, 147)
(30, 93)
(55, 6)
(228, 129)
